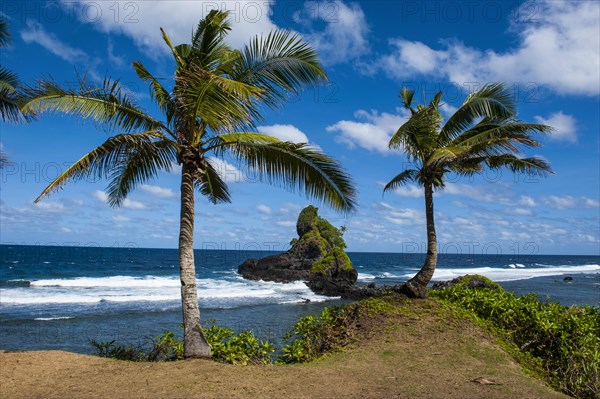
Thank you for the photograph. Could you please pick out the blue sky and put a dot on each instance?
(549, 52)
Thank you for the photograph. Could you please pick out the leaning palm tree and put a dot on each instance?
(483, 132)
(209, 112)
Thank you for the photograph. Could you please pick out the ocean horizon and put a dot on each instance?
(57, 297)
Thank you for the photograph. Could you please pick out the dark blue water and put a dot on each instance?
(61, 297)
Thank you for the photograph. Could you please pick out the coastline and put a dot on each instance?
(394, 358)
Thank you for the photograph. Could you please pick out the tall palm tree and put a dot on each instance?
(211, 110)
(483, 132)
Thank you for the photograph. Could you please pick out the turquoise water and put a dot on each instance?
(61, 297)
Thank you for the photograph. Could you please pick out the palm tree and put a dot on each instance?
(210, 111)
(483, 132)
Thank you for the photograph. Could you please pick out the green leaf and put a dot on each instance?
(297, 167)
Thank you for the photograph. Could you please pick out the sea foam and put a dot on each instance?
(221, 293)
(512, 274)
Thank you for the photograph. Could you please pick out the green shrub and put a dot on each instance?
(336, 256)
(306, 219)
(314, 336)
(166, 347)
(226, 346)
(565, 341)
(333, 236)
(120, 352)
(242, 348)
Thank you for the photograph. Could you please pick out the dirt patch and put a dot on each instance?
(424, 354)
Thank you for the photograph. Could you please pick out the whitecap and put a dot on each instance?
(517, 273)
(53, 318)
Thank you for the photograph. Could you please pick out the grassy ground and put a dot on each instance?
(422, 353)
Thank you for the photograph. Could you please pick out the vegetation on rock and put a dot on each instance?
(316, 257)
(336, 257)
(319, 232)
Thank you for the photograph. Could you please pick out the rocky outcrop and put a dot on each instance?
(316, 257)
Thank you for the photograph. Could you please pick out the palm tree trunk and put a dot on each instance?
(416, 287)
(195, 344)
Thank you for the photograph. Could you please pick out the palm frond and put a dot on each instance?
(296, 167)
(159, 94)
(208, 39)
(280, 64)
(445, 154)
(514, 131)
(223, 104)
(401, 179)
(406, 95)
(179, 60)
(102, 161)
(107, 104)
(530, 166)
(4, 162)
(418, 133)
(11, 98)
(9, 81)
(4, 32)
(493, 100)
(212, 186)
(138, 164)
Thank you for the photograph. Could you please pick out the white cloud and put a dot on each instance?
(35, 33)
(561, 202)
(228, 172)
(448, 110)
(161, 192)
(558, 50)
(520, 211)
(284, 133)
(100, 196)
(564, 126)
(141, 20)
(409, 191)
(114, 59)
(290, 209)
(264, 209)
(401, 216)
(591, 203)
(49, 206)
(374, 134)
(345, 35)
(473, 192)
(133, 204)
(526, 201)
(127, 203)
(120, 218)
(570, 202)
(285, 223)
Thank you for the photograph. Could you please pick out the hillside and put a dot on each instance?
(425, 353)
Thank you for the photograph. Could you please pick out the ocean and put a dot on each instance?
(54, 297)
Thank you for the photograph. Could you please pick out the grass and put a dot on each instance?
(393, 347)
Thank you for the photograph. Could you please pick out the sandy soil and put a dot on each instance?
(425, 357)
